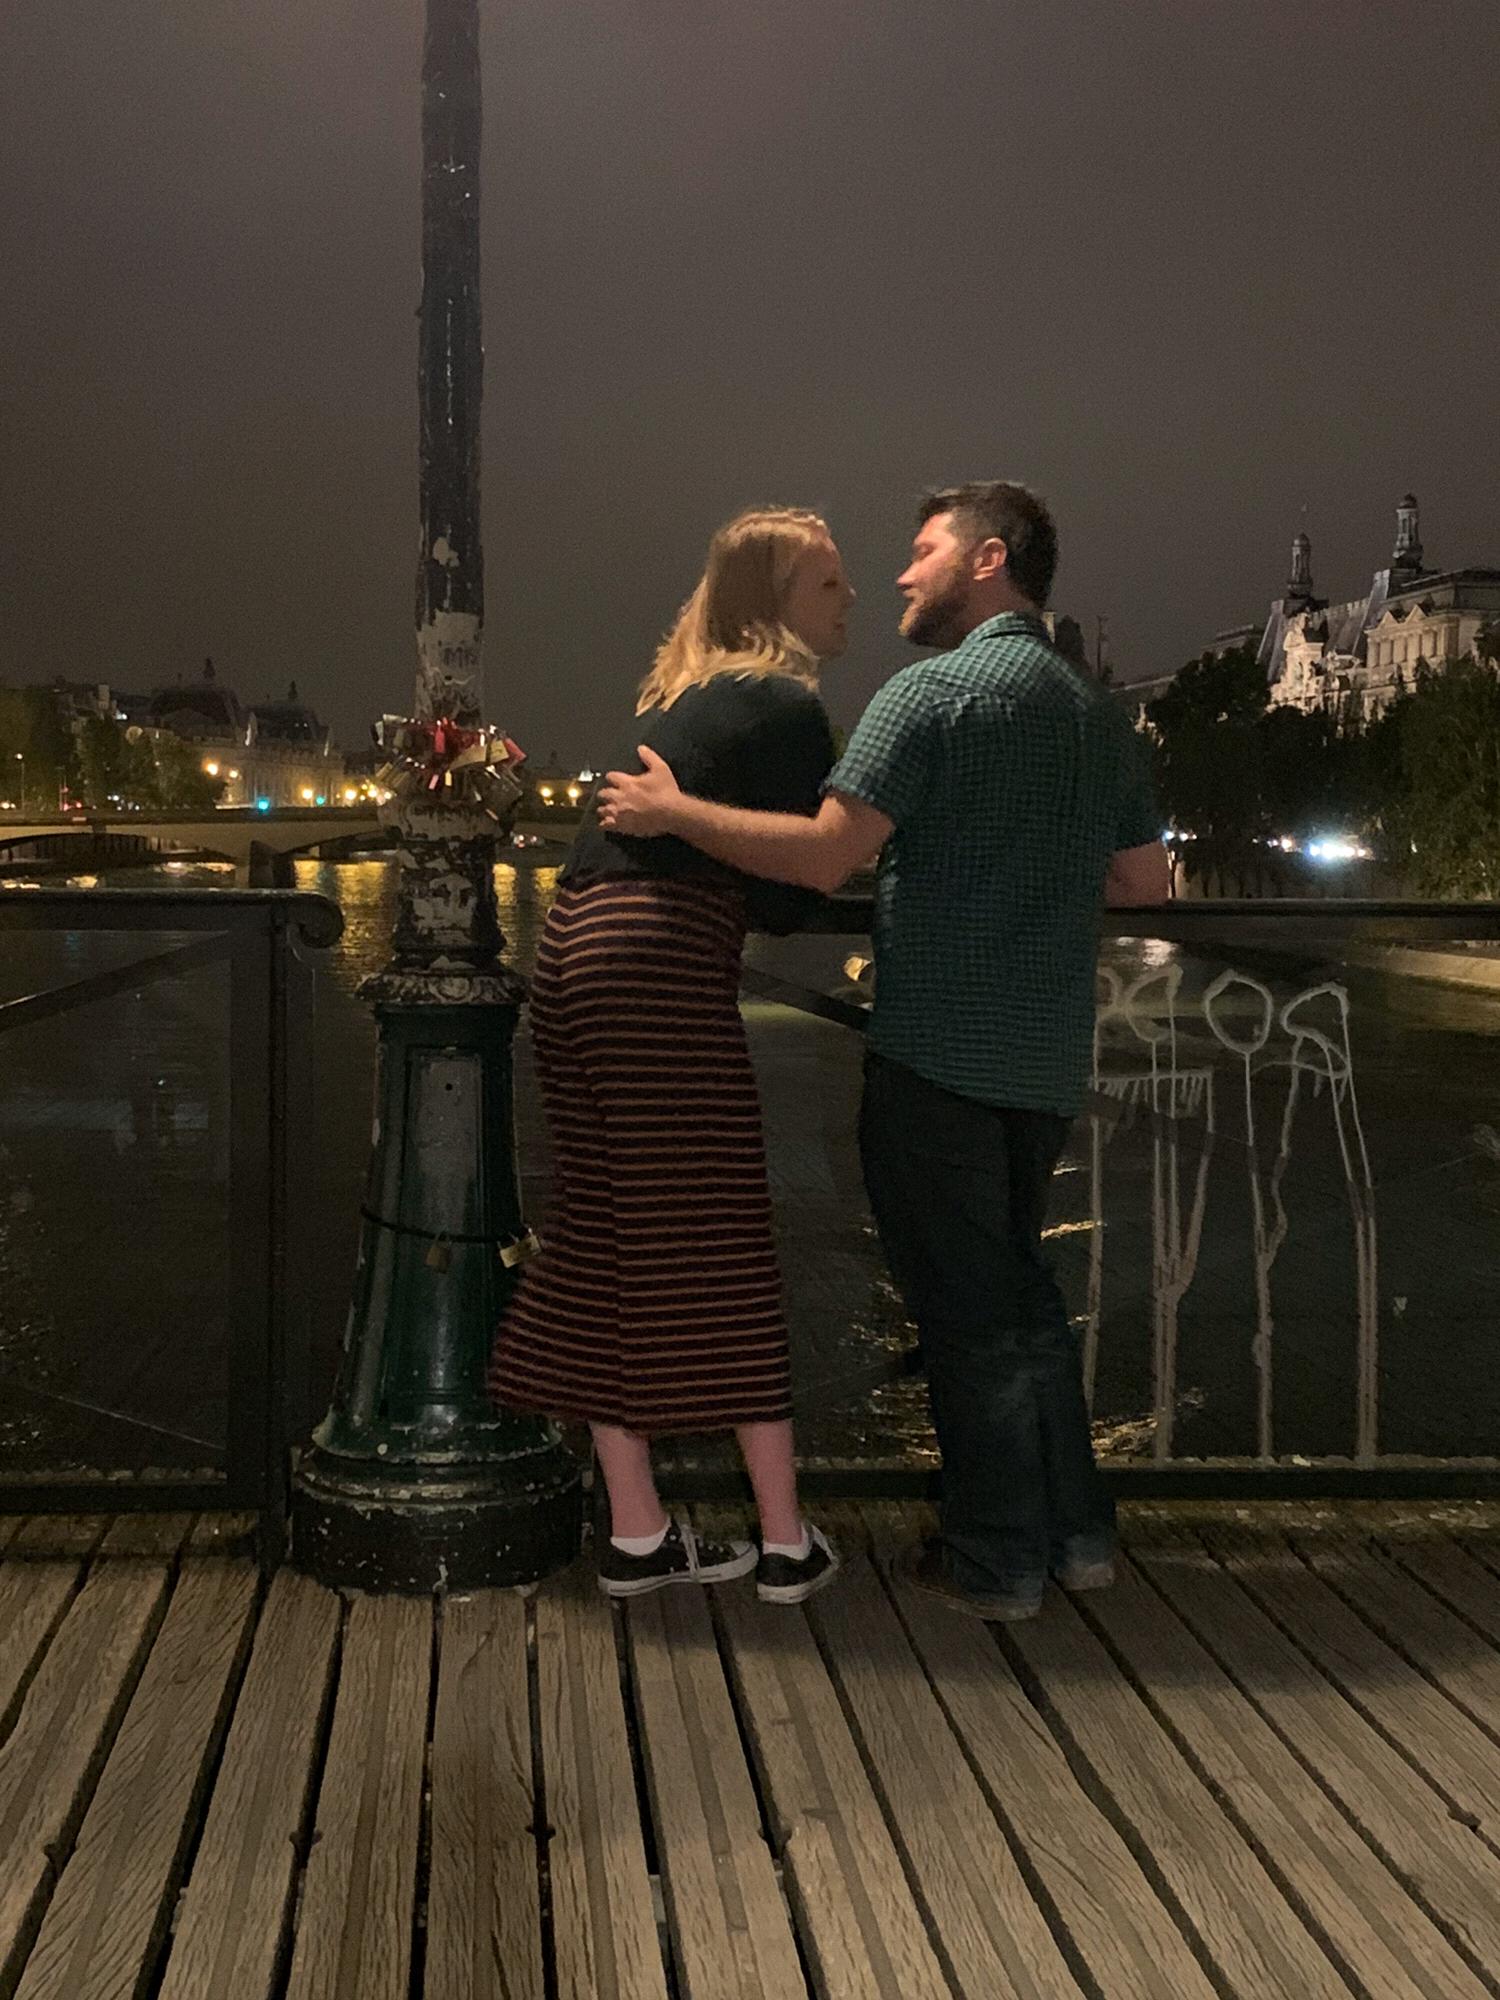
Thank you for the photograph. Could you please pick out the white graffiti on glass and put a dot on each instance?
(1313, 1046)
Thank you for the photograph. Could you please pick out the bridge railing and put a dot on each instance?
(1277, 1222)
(154, 1083)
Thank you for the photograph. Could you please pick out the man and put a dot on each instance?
(1005, 794)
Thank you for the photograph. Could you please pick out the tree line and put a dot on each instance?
(48, 756)
(1419, 783)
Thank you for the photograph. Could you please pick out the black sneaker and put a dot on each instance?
(785, 1580)
(681, 1558)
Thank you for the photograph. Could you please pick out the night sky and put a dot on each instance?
(1190, 268)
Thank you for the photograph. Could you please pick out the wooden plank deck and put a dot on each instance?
(1267, 1762)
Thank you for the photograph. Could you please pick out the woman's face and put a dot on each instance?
(818, 600)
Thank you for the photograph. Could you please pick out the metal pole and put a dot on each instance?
(414, 1481)
(450, 376)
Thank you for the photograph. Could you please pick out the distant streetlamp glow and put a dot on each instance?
(1337, 847)
(211, 767)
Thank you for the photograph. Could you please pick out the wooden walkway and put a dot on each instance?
(1267, 1763)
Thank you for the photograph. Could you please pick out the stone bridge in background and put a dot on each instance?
(262, 845)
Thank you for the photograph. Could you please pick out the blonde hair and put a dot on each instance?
(732, 623)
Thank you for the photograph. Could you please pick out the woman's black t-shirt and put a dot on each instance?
(755, 740)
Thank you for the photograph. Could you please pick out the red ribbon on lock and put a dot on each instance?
(445, 742)
(434, 756)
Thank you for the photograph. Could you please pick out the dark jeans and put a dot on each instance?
(959, 1190)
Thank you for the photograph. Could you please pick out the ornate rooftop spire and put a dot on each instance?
(1299, 589)
(1406, 557)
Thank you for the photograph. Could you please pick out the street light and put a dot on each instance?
(21, 760)
(413, 1481)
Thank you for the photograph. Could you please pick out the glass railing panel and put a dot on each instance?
(114, 1205)
(1277, 1223)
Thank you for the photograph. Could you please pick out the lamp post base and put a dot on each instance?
(422, 1528)
(414, 1481)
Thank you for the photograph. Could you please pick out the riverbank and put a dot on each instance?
(1478, 967)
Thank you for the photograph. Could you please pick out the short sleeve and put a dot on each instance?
(1139, 816)
(889, 759)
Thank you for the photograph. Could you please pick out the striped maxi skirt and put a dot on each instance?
(655, 1302)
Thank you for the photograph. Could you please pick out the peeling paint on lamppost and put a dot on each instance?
(447, 929)
(413, 1481)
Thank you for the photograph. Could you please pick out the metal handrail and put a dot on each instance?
(1287, 920)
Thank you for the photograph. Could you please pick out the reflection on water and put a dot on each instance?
(366, 892)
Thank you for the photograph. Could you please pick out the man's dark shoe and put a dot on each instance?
(785, 1580)
(682, 1558)
(926, 1567)
(1083, 1573)
(1084, 1562)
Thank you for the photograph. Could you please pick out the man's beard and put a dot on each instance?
(940, 620)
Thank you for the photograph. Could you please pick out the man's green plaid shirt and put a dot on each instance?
(1011, 780)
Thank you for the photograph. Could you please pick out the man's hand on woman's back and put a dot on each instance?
(643, 803)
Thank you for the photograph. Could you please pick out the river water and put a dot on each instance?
(1279, 1227)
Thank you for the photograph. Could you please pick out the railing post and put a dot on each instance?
(414, 1481)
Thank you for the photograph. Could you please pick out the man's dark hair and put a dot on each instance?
(1015, 515)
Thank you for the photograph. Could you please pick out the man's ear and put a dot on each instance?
(988, 560)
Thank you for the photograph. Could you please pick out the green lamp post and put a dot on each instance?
(413, 1481)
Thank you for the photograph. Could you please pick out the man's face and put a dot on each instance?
(935, 584)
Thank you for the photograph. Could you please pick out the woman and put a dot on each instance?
(655, 1305)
